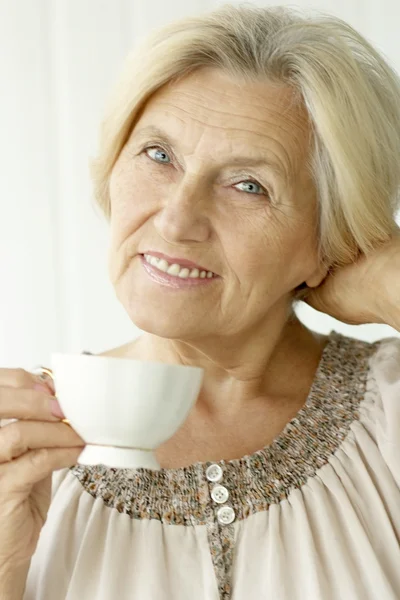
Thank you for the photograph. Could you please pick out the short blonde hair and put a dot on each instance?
(350, 91)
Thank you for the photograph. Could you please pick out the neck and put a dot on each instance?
(245, 367)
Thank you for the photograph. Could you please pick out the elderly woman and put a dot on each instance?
(248, 159)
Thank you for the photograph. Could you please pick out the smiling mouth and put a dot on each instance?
(177, 270)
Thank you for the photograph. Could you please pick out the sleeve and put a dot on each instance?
(385, 369)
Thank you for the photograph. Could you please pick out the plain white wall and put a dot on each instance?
(58, 59)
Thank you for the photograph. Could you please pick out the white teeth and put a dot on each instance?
(177, 270)
(173, 269)
(162, 265)
(153, 261)
(184, 274)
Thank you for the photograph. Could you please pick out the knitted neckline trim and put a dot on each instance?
(265, 477)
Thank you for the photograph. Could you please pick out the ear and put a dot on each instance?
(316, 278)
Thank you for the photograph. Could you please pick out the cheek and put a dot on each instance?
(124, 206)
(130, 210)
(300, 259)
(273, 254)
(123, 185)
(256, 252)
(119, 230)
(133, 197)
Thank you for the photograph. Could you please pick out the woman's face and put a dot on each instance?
(214, 172)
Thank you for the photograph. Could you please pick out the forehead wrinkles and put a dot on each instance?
(279, 123)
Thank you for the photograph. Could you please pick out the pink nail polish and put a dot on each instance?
(42, 388)
(56, 409)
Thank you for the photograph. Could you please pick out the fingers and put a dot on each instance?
(17, 378)
(47, 382)
(25, 403)
(35, 442)
(23, 391)
(22, 436)
(20, 378)
(34, 466)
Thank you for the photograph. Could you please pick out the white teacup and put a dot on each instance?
(122, 408)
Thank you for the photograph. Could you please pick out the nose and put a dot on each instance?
(184, 215)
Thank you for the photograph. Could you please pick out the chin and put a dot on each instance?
(160, 325)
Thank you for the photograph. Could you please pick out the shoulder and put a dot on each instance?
(383, 393)
(386, 359)
(384, 380)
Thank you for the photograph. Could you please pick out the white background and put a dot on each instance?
(58, 59)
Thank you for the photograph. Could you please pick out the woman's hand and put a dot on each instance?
(366, 291)
(31, 448)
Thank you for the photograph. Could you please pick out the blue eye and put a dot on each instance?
(252, 184)
(159, 151)
(162, 157)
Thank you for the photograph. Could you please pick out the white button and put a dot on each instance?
(226, 515)
(219, 494)
(214, 473)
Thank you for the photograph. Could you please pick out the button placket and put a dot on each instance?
(214, 473)
(220, 495)
(221, 533)
(225, 515)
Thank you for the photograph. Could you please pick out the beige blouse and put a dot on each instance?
(313, 516)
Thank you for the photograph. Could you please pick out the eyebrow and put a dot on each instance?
(235, 160)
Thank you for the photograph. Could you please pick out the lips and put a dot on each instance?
(183, 262)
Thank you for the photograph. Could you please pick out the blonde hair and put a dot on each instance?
(350, 91)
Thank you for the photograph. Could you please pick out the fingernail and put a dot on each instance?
(56, 408)
(44, 379)
(42, 388)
